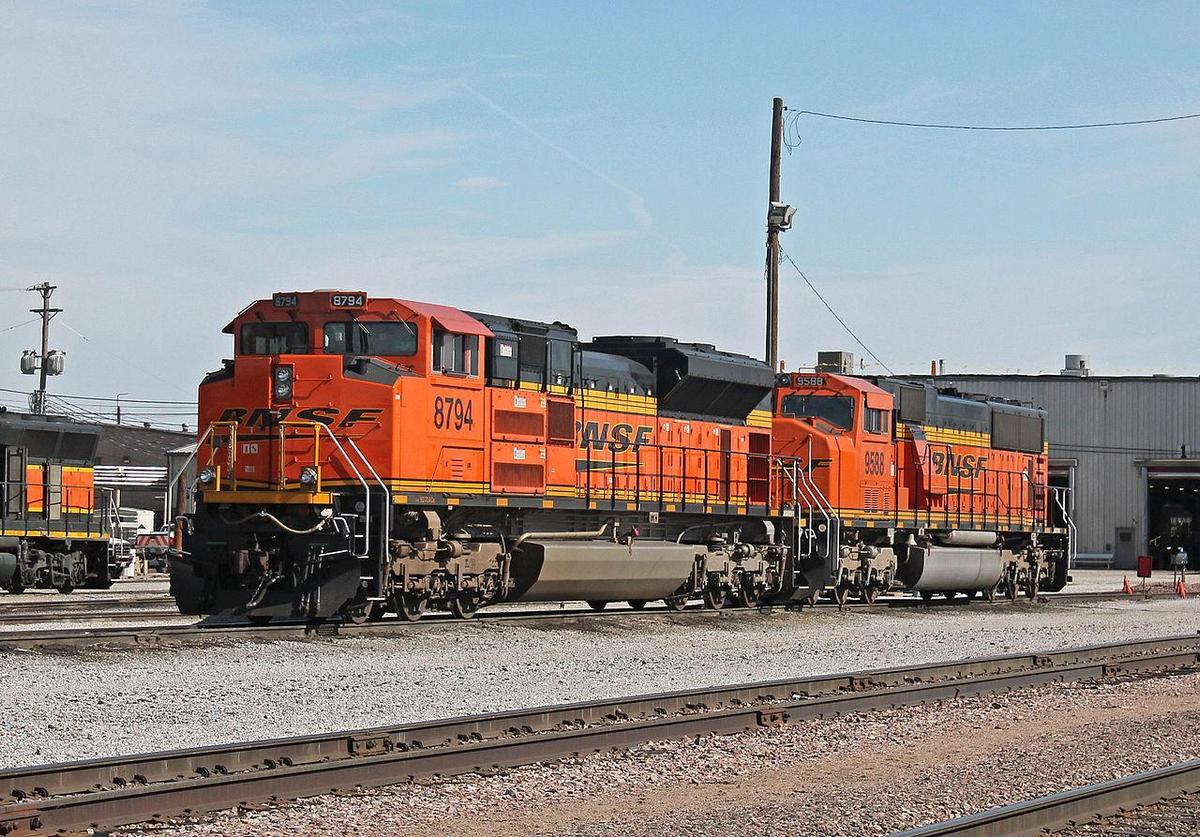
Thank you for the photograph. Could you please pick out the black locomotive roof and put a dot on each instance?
(516, 325)
(695, 378)
(49, 437)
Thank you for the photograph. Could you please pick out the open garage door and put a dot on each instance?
(1173, 510)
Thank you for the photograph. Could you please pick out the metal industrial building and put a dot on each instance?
(1129, 445)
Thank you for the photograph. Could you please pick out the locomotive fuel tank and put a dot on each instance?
(571, 570)
(964, 537)
(952, 568)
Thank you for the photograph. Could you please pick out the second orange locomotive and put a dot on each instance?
(362, 455)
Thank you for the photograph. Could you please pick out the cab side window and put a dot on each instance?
(455, 354)
(875, 421)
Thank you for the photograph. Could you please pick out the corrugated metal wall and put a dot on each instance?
(1107, 425)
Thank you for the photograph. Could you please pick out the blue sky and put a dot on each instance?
(606, 165)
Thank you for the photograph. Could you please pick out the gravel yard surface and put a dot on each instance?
(864, 774)
(102, 703)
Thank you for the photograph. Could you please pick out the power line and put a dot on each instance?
(110, 400)
(849, 331)
(128, 360)
(18, 325)
(792, 135)
(955, 127)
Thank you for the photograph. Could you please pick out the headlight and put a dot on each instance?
(283, 392)
(308, 476)
(283, 373)
(208, 476)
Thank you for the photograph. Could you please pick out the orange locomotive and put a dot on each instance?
(362, 455)
(924, 489)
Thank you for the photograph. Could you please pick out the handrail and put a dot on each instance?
(1060, 497)
(366, 488)
(386, 534)
(800, 492)
(208, 431)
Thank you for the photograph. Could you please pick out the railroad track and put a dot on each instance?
(1148, 803)
(126, 636)
(103, 793)
(56, 609)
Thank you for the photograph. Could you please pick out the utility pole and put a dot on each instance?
(38, 402)
(773, 229)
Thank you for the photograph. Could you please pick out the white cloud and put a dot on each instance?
(482, 183)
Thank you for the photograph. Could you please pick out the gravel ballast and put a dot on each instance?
(860, 774)
(103, 703)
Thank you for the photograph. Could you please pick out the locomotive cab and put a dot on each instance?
(843, 427)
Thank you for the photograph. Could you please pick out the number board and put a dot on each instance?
(286, 300)
(356, 299)
(810, 381)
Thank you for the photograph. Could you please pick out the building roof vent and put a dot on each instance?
(839, 363)
(1076, 366)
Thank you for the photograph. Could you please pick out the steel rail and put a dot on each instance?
(177, 634)
(1074, 806)
(84, 616)
(57, 602)
(113, 791)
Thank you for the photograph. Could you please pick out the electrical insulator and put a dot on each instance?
(55, 361)
(29, 362)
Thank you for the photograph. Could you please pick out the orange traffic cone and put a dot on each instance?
(1181, 589)
(1125, 588)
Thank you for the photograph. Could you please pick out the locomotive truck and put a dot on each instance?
(367, 455)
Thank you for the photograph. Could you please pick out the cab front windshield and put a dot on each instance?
(384, 338)
(838, 410)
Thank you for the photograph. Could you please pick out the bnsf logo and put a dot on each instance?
(958, 466)
(617, 437)
(328, 416)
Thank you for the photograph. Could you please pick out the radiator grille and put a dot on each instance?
(518, 475)
(514, 423)
(561, 416)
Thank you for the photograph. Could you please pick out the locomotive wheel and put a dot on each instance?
(463, 606)
(813, 597)
(15, 585)
(714, 598)
(1010, 588)
(869, 594)
(410, 607)
(596, 605)
(66, 588)
(1031, 589)
(637, 604)
(357, 614)
(749, 596)
(840, 594)
(990, 593)
(675, 602)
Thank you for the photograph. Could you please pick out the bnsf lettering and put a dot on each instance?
(324, 415)
(957, 465)
(361, 416)
(617, 438)
(264, 419)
